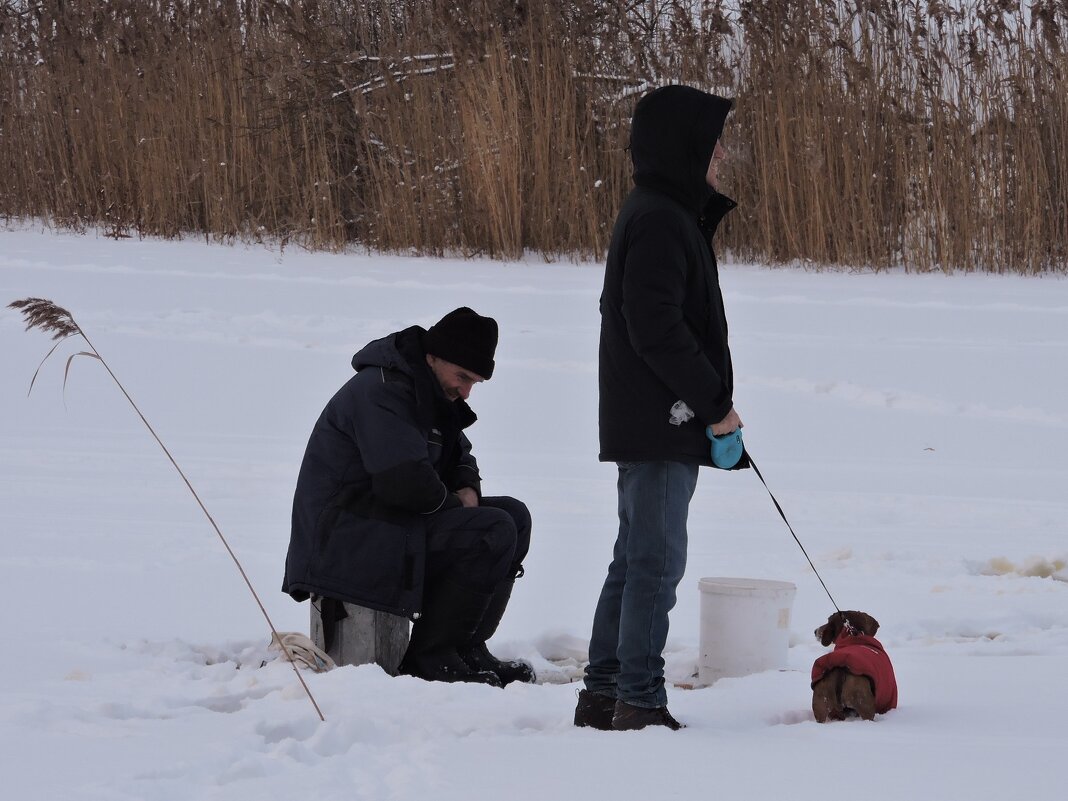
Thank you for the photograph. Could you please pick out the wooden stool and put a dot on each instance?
(363, 636)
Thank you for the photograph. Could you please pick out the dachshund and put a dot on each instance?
(856, 678)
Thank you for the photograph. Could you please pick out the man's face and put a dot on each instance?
(456, 381)
(718, 155)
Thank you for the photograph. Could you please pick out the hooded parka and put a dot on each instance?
(387, 451)
(663, 328)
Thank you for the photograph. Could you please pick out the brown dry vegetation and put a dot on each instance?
(868, 133)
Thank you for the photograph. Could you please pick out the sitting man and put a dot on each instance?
(388, 511)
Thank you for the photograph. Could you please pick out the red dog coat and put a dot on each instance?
(862, 655)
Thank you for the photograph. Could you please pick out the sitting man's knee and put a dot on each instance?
(516, 509)
(521, 515)
(501, 536)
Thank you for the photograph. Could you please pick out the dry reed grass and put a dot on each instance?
(51, 318)
(867, 134)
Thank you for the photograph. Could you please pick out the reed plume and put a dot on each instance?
(51, 318)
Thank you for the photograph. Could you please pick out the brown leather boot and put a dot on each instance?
(630, 718)
(594, 710)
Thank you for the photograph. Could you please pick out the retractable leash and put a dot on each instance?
(787, 522)
(727, 450)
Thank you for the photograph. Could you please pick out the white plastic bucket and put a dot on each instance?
(745, 626)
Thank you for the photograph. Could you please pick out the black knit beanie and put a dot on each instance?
(465, 338)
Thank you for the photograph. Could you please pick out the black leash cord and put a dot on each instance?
(787, 522)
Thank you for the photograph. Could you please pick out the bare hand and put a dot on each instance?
(468, 497)
(728, 424)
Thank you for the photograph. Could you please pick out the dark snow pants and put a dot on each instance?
(479, 546)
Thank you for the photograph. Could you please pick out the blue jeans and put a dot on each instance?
(630, 625)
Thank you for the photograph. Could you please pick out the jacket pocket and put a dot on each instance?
(366, 557)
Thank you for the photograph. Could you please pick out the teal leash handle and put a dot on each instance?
(787, 522)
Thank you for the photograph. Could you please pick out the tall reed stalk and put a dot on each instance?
(53, 319)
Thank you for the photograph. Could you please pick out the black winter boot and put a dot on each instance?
(451, 613)
(477, 655)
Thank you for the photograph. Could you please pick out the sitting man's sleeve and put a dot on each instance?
(394, 450)
(465, 474)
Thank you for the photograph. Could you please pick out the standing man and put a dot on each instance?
(388, 511)
(665, 376)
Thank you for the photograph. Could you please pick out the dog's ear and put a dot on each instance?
(828, 632)
(865, 623)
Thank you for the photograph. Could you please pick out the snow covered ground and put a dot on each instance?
(913, 427)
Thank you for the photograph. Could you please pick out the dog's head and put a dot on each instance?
(859, 622)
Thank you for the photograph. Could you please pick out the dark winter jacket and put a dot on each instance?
(862, 655)
(387, 451)
(663, 329)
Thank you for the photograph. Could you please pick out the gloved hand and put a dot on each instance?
(727, 449)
